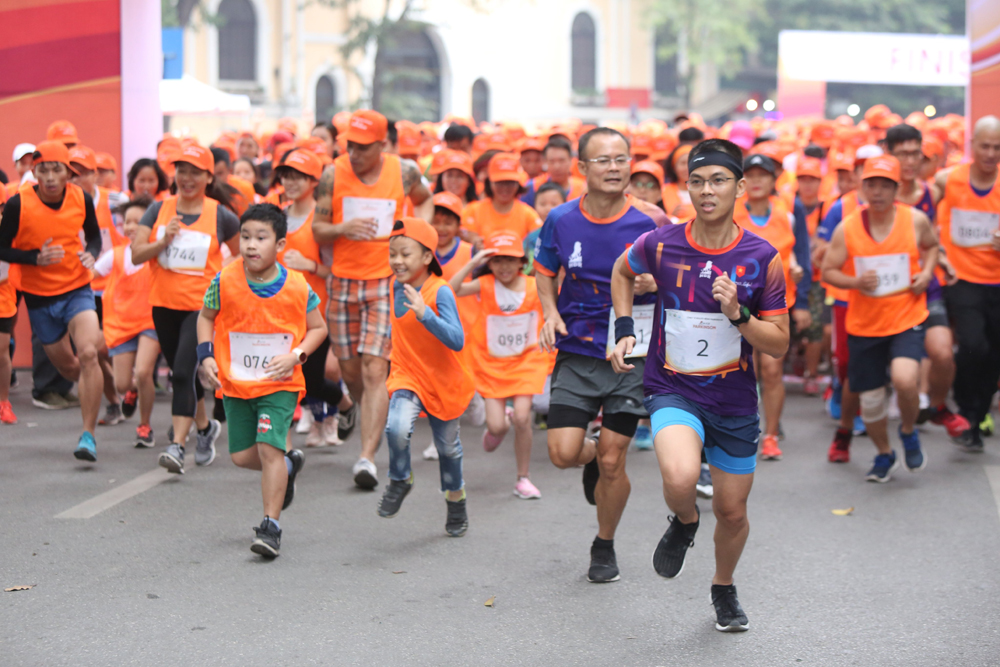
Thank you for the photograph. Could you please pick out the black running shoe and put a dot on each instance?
(392, 499)
(268, 539)
(668, 557)
(458, 520)
(298, 459)
(129, 403)
(346, 422)
(729, 616)
(970, 440)
(603, 565)
(591, 473)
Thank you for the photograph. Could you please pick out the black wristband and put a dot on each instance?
(205, 350)
(624, 326)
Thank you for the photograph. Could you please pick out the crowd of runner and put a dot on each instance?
(363, 274)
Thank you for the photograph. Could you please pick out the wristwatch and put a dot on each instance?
(302, 356)
(743, 318)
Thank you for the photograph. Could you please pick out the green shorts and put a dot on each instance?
(265, 419)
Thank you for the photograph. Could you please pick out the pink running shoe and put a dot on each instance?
(525, 490)
(490, 441)
(7, 415)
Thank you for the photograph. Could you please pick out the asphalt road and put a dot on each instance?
(166, 577)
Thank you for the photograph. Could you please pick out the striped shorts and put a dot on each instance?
(359, 317)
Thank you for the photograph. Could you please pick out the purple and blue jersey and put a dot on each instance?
(587, 249)
(684, 274)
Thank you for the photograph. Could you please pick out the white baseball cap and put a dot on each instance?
(23, 149)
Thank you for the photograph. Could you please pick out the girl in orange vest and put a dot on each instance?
(265, 322)
(428, 371)
(128, 324)
(299, 173)
(501, 210)
(452, 172)
(147, 179)
(506, 359)
(184, 235)
(767, 216)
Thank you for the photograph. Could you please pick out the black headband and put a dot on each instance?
(718, 159)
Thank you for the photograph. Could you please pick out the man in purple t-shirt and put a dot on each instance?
(721, 295)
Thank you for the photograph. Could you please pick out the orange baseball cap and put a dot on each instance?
(769, 149)
(303, 161)
(497, 141)
(662, 145)
(642, 143)
(532, 144)
(883, 166)
(841, 160)
(82, 156)
(312, 144)
(409, 138)
(64, 131)
(367, 127)
(280, 150)
(52, 151)
(506, 167)
(423, 233)
(932, 146)
(809, 166)
(649, 167)
(288, 125)
(106, 162)
(681, 154)
(449, 201)
(196, 155)
(447, 158)
(877, 117)
(822, 134)
(505, 243)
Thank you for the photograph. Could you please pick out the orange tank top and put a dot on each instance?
(249, 330)
(468, 306)
(779, 233)
(968, 222)
(677, 203)
(422, 364)
(365, 260)
(182, 273)
(127, 311)
(111, 238)
(64, 226)
(8, 295)
(480, 217)
(302, 239)
(892, 308)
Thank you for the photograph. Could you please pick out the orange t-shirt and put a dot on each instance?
(481, 218)
(468, 306)
(506, 358)
(896, 310)
(303, 240)
(779, 233)
(967, 222)
(127, 310)
(278, 320)
(64, 226)
(365, 260)
(677, 202)
(190, 262)
(8, 295)
(424, 365)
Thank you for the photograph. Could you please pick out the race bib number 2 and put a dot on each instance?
(700, 343)
(643, 318)
(251, 352)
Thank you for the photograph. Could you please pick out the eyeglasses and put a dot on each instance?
(620, 161)
(647, 185)
(716, 182)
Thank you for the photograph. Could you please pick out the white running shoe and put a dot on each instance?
(305, 421)
(315, 437)
(431, 453)
(330, 430)
(365, 474)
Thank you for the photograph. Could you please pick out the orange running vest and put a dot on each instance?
(127, 310)
(303, 240)
(967, 222)
(185, 291)
(64, 226)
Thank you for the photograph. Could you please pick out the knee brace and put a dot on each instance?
(873, 405)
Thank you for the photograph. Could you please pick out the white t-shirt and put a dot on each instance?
(507, 300)
(103, 266)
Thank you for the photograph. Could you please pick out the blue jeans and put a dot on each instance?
(404, 408)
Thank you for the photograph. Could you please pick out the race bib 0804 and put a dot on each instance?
(973, 228)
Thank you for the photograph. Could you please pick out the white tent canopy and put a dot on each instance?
(189, 96)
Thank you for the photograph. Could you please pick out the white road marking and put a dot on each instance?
(993, 474)
(134, 487)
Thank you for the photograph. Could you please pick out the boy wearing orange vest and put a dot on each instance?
(265, 321)
(428, 372)
(885, 254)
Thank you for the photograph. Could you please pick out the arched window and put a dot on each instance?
(665, 77)
(584, 54)
(237, 41)
(326, 99)
(480, 100)
(408, 77)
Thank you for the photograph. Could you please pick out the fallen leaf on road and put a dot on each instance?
(489, 603)
(847, 512)
(19, 588)
(399, 572)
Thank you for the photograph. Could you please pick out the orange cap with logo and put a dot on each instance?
(303, 161)
(506, 167)
(841, 160)
(51, 151)
(642, 143)
(769, 149)
(420, 231)
(196, 155)
(367, 127)
(313, 145)
(883, 166)
(649, 167)
(531, 144)
(932, 146)
(449, 201)
(809, 166)
(106, 162)
(497, 141)
(448, 158)
(822, 134)
(82, 156)
(409, 138)
(878, 116)
(64, 131)
(662, 145)
(505, 243)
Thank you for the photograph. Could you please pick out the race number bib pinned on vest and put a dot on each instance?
(251, 352)
(970, 229)
(383, 211)
(4, 271)
(643, 318)
(187, 252)
(511, 335)
(893, 272)
(700, 343)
